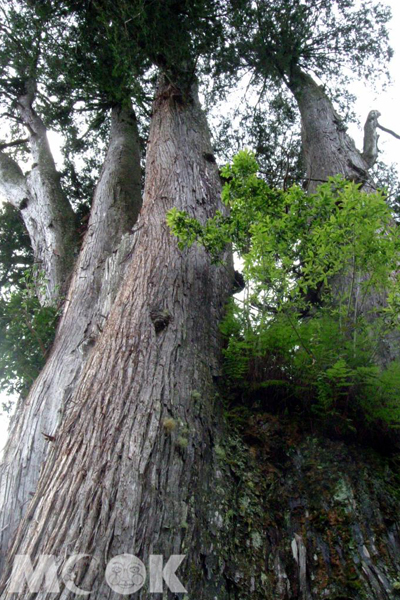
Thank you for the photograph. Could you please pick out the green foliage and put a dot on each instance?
(386, 178)
(321, 304)
(26, 328)
(267, 121)
(26, 333)
(15, 250)
(318, 36)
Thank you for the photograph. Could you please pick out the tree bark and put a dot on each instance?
(140, 463)
(45, 210)
(49, 220)
(126, 469)
(97, 276)
(370, 149)
(47, 214)
(327, 149)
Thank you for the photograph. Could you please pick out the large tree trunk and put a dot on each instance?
(327, 149)
(127, 470)
(141, 464)
(98, 273)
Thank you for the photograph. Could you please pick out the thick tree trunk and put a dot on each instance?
(126, 470)
(99, 271)
(47, 213)
(139, 464)
(327, 149)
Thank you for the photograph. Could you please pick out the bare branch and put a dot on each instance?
(14, 143)
(388, 131)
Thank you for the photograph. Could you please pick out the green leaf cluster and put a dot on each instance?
(27, 331)
(313, 328)
(16, 254)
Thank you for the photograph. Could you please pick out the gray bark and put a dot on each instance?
(370, 150)
(54, 244)
(139, 464)
(327, 149)
(126, 471)
(98, 273)
(46, 212)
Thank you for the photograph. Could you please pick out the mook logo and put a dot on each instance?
(124, 574)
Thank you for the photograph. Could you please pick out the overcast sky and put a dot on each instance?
(387, 103)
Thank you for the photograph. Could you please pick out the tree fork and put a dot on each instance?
(47, 213)
(329, 151)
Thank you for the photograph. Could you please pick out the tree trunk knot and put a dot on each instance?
(172, 92)
(238, 283)
(23, 204)
(161, 318)
(209, 157)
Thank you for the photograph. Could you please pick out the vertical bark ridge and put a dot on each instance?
(126, 471)
(12, 182)
(100, 269)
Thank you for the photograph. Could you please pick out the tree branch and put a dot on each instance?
(14, 143)
(370, 150)
(388, 131)
(117, 199)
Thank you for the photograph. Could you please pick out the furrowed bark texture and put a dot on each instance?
(127, 470)
(49, 220)
(99, 271)
(327, 148)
